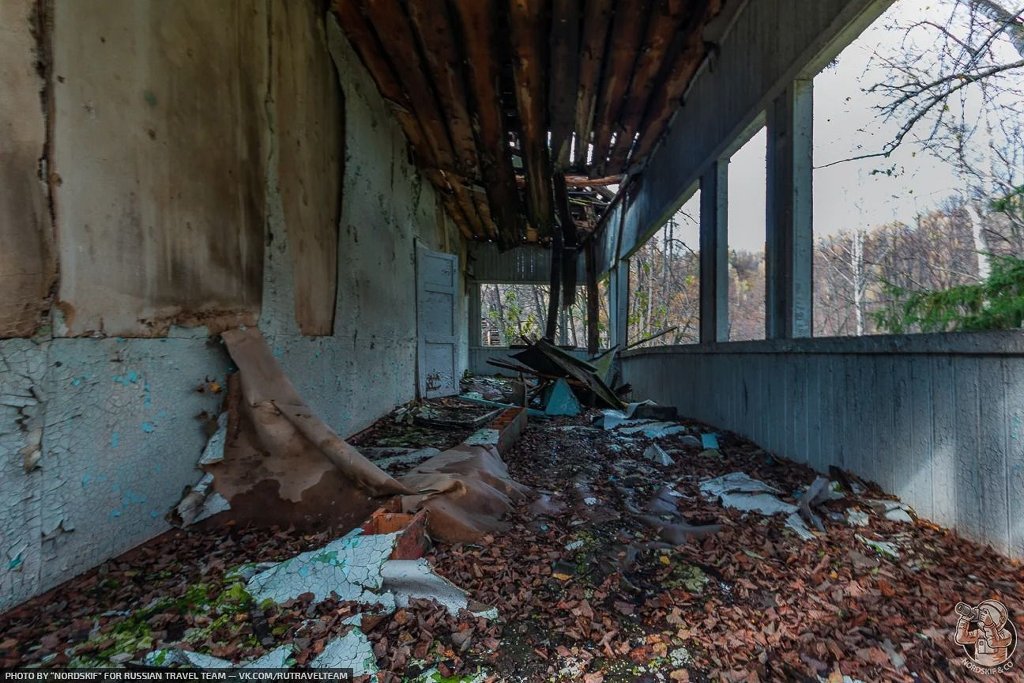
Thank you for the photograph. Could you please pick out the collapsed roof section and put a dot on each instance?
(495, 96)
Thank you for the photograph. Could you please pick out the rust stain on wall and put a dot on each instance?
(309, 124)
(160, 141)
(27, 260)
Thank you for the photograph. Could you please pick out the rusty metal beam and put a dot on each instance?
(528, 23)
(624, 44)
(479, 37)
(665, 36)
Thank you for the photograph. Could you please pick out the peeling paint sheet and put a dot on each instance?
(740, 491)
(349, 567)
(351, 651)
(414, 579)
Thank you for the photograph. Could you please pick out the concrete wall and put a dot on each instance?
(936, 419)
(98, 434)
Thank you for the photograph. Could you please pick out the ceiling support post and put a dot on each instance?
(790, 233)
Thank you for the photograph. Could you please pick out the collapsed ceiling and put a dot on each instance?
(501, 98)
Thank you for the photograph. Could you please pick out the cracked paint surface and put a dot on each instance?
(99, 484)
(349, 567)
(351, 651)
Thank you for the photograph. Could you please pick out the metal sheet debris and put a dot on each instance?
(560, 401)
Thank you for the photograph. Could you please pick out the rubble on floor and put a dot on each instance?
(610, 563)
(552, 382)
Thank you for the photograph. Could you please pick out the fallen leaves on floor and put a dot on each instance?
(590, 585)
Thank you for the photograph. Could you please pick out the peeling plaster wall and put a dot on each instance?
(26, 234)
(109, 425)
(369, 365)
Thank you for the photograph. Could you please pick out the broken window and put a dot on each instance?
(664, 282)
(919, 161)
(748, 178)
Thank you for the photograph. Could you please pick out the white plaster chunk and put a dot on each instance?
(414, 579)
(856, 518)
(880, 547)
(738, 490)
(484, 437)
(799, 526)
(652, 430)
(201, 502)
(351, 651)
(612, 418)
(657, 454)
(349, 567)
(893, 510)
(432, 675)
(214, 450)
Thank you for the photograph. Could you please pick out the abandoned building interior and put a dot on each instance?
(246, 325)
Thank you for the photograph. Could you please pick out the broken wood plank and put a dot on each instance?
(478, 35)
(529, 67)
(596, 20)
(389, 19)
(581, 370)
(367, 45)
(565, 58)
(575, 181)
(627, 36)
(665, 24)
(569, 241)
(593, 297)
(433, 26)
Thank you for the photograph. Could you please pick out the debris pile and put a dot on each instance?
(559, 384)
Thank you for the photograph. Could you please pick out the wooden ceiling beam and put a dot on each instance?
(624, 45)
(580, 181)
(596, 20)
(433, 27)
(367, 45)
(388, 19)
(477, 21)
(565, 72)
(664, 34)
(528, 24)
(675, 78)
